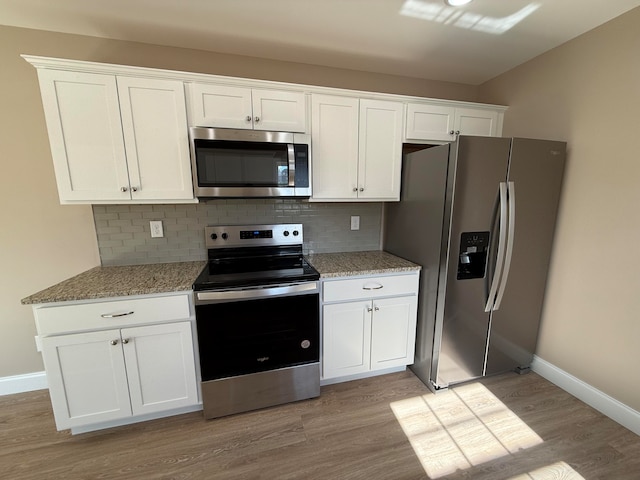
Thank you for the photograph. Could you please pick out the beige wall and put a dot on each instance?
(42, 242)
(587, 92)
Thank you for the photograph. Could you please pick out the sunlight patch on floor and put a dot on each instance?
(557, 471)
(460, 428)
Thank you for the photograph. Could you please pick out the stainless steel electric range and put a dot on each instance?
(257, 315)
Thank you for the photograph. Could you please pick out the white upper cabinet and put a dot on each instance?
(85, 133)
(117, 139)
(334, 142)
(357, 148)
(156, 138)
(444, 123)
(380, 158)
(119, 134)
(429, 122)
(470, 121)
(237, 107)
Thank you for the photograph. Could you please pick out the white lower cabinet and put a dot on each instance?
(112, 374)
(346, 339)
(375, 332)
(87, 378)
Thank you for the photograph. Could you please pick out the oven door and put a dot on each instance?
(243, 331)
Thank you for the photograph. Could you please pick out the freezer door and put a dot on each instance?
(413, 230)
(536, 170)
(476, 168)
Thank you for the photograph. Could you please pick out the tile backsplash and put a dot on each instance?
(124, 235)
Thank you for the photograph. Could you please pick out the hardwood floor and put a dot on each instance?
(505, 427)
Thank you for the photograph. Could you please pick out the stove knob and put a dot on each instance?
(225, 236)
(296, 233)
(214, 236)
(286, 233)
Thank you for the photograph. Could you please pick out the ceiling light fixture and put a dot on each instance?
(457, 3)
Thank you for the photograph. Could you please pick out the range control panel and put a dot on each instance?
(220, 236)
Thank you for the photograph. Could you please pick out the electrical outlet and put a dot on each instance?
(355, 222)
(156, 229)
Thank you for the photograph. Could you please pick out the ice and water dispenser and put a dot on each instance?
(472, 261)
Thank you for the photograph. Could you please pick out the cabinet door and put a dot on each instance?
(469, 121)
(85, 133)
(154, 121)
(87, 378)
(346, 339)
(380, 158)
(160, 367)
(429, 122)
(279, 111)
(219, 106)
(393, 332)
(334, 140)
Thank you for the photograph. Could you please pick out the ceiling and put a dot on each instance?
(412, 38)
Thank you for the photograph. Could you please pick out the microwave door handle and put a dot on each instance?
(292, 165)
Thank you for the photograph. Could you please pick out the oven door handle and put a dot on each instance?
(218, 296)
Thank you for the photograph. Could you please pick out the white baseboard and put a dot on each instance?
(612, 408)
(23, 383)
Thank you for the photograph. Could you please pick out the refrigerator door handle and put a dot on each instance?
(511, 194)
(501, 248)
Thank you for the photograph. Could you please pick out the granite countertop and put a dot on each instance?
(345, 264)
(117, 281)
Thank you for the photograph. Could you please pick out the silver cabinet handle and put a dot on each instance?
(454, 132)
(369, 309)
(113, 342)
(125, 341)
(248, 118)
(376, 308)
(123, 189)
(362, 189)
(115, 315)
(368, 287)
(134, 189)
(355, 189)
(257, 119)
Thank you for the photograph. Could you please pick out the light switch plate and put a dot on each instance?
(355, 222)
(156, 229)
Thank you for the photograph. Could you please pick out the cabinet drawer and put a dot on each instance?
(369, 287)
(110, 314)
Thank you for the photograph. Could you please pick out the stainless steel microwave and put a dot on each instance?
(250, 163)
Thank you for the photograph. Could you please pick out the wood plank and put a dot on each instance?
(350, 432)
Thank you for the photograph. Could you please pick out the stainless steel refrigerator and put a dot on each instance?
(479, 215)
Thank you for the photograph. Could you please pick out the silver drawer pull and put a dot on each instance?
(114, 315)
(367, 287)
